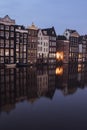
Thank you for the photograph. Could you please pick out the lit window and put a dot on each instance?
(59, 56)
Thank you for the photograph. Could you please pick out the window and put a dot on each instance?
(2, 27)
(7, 35)
(11, 52)
(1, 52)
(6, 27)
(25, 55)
(12, 60)
(12, 43)
(2, 60)
(45, 32)
(12, 28)
(41, 48)
(50, 43)
(38, 38)
(24, 48)
(1, 43)
(17, 40)
(12, 34)
(17, 55)
(2, 33)
(44, 49)
(17, 35)
(25, 35)
(25, 41)
(7, 43)
(7, 52)
(52, 32)
(21, 40)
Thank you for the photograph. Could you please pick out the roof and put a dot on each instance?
(7, 20)
(71, 31)
(33, 27)
(82, 38)
(49, 31)
(61, 37)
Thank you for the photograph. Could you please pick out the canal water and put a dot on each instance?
(44, 98)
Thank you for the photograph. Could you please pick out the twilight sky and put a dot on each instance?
(61, 14)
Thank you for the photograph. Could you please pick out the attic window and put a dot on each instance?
(19, 27)
(52, 32)
(45, 32)
(66, 34)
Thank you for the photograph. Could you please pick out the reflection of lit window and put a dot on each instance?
(59, 71)
(79, 67)
(80, 56)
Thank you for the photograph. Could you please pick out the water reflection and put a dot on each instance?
(19, 84)
(71, 77)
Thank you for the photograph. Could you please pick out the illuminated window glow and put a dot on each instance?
(59, 70)
(59, 56)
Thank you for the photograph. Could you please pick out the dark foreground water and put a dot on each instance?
(44, 98)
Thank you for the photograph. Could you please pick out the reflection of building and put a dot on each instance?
(67, 80)
(7, 89)
(42, 81)
(7, 42)
(32, 44)
(21, 84)
(51, 80)
(62, 52)
(32, 84)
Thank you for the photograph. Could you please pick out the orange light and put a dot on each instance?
(59, 56)
(59, 70)
(79, 67)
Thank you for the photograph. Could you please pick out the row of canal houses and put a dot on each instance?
(20, 45)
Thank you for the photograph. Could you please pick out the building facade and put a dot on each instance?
(73, 37)
(21, 36)
(7, 40)
(82, 56)
(42, 47)
(50, 32)
(62, 49)
(32, 44)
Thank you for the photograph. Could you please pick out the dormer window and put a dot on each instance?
(19, 27)
(52, 32)
(66, 33)
(45, 32)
